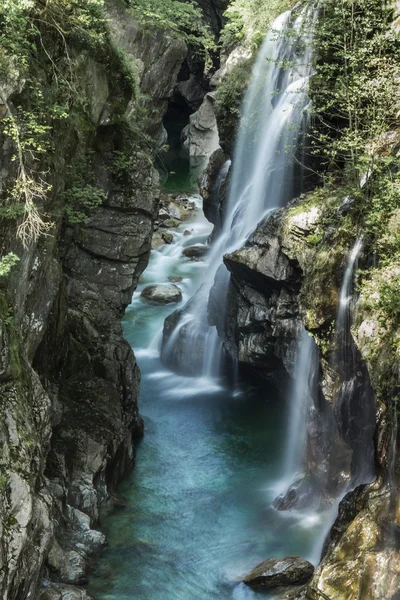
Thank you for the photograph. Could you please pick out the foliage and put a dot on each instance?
(81, 201)
(183, 20)
(7, 262)
(355, 89)
(81, 195)
(230, 95)
(247, 21)
(41, 49)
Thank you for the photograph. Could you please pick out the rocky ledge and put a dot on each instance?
(279, 574)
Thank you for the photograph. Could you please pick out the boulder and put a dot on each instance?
(162, 294)
(157, 240)
(167, 237)
(276, 573)
(59, 591)
(170, 223)
(195, 252)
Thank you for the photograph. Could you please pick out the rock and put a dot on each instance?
(280, 573)
(213, 189)
(170, 223)
(162, 294)
(155, 56)
(263, 317)
(184, 356)
(60, 591)
(167, 237)
(175, 279)
(192, 92)
(187, 232)
(195, 252)
(170, 211)
(157, 241)
(202, 135)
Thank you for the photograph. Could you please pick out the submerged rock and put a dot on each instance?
(195, 252)
(163, 294)
(276, 573)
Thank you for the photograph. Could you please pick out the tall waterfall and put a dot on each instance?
(262, 179)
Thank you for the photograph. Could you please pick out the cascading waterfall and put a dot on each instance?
(350, 418)
(354, 412)
(272, 123)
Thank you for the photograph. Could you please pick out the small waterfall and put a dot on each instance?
(299, 402)
(344, 311)
(337, 436)
(354, 405)
(272, 123)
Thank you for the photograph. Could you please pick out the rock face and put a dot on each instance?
(162, 294)
(68, 380)
(263, 320)
(280, 573)
(201, 135)
(157, 58)
(213, 184)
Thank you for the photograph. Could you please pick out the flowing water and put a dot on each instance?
(198, 509)
(299, 402)
(263, 176)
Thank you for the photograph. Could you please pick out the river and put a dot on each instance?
(198, 511)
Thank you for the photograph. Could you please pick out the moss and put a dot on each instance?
(377, 327)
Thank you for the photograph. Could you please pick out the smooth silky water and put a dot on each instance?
(198, 511)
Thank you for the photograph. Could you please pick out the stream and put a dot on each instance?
(198, 511)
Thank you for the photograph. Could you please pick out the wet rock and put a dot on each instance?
(280, 573)
(170, 223)
(157, 241)
(263, 318)
(167, 237)
(183, 355)
(60, 591)
(187, 232)
(175, 279)
(212, 193)
(202, 134)
(195, 252)
(162, 294)
(170, 211)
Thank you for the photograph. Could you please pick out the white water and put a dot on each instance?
(273, 118)
(346, 364)
(342, 321)
(299, 402)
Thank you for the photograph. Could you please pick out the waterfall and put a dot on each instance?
(299, 403)
(262, 179)
(337, 436)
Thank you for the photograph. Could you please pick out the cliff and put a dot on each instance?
(72, 111)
